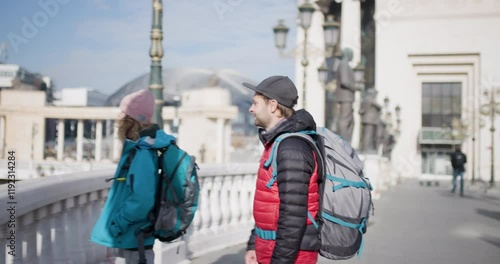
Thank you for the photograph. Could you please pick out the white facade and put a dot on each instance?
(81, 96)
(7, 74)
(438, 41)
(426, 41)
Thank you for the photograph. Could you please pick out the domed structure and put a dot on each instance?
(177, 80)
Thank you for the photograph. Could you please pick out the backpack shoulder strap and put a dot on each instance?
(271, 161)
(125, 166)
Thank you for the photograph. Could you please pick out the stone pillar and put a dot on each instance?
(98, 140)
(219, 158)
(116, 143)
(227, 140)
(166, 127)
(60, 139)
(351, 38)
(79, 141)
(350, 35)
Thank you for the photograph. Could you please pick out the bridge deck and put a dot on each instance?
(421, 224)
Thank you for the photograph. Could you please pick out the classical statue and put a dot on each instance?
(344, 96)
(370, 112)
(388, 145)
(382, 133)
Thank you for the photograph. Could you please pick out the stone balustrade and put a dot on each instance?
(50, 219)
(60, 134)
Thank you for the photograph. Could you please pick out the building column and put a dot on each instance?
(351, 38)
(116, 142)
(60, 139)
(166, 127)
(219, 155)
(98, 140)
(227, 140)
(351, 29)
(79, 140)
(2, 136)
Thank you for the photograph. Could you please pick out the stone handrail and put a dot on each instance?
(49, 220)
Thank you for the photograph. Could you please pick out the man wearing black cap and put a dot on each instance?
(283, 233)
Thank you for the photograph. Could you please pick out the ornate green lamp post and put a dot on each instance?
(156, 54)
(491, 108)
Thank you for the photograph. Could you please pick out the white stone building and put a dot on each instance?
(433, 58)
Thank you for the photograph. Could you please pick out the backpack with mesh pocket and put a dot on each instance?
(345, 194)
(176, 199)
(176, 195)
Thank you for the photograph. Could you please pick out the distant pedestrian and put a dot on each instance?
(458, 160)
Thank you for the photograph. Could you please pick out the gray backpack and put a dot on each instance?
(345, 195)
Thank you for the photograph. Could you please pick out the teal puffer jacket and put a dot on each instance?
(132, 193)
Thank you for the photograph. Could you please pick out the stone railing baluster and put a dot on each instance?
(196, 224)
(215, 205)
(59, 219)
(101, 253)
(205, 204)
(73, 231)
(88, 224)
(28, 230)
(45, 231)
(244, 201)
(224, 201)
(250, 190)
(234, 199)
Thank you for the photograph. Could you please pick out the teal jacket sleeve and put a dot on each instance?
(142, 177)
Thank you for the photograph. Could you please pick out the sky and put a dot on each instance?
(103, 44)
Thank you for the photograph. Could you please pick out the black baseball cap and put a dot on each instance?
(279, 88)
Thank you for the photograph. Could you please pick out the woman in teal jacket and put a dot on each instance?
(132, 194)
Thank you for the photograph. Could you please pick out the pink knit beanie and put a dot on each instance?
(139, 105)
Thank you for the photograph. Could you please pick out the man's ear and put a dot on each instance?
(273, 104)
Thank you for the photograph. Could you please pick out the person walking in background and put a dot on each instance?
(283, 233)
(458, 160)
(132, 194)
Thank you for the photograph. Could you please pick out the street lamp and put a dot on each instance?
(397, 109)
(280, 32)
(323, 73)
(331, 31)
(331, 34)
(156, 53)
(491, 108)
(305, 16)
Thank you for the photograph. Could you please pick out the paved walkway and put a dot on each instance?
(421, 224)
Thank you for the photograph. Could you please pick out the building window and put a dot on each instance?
(441, 103)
